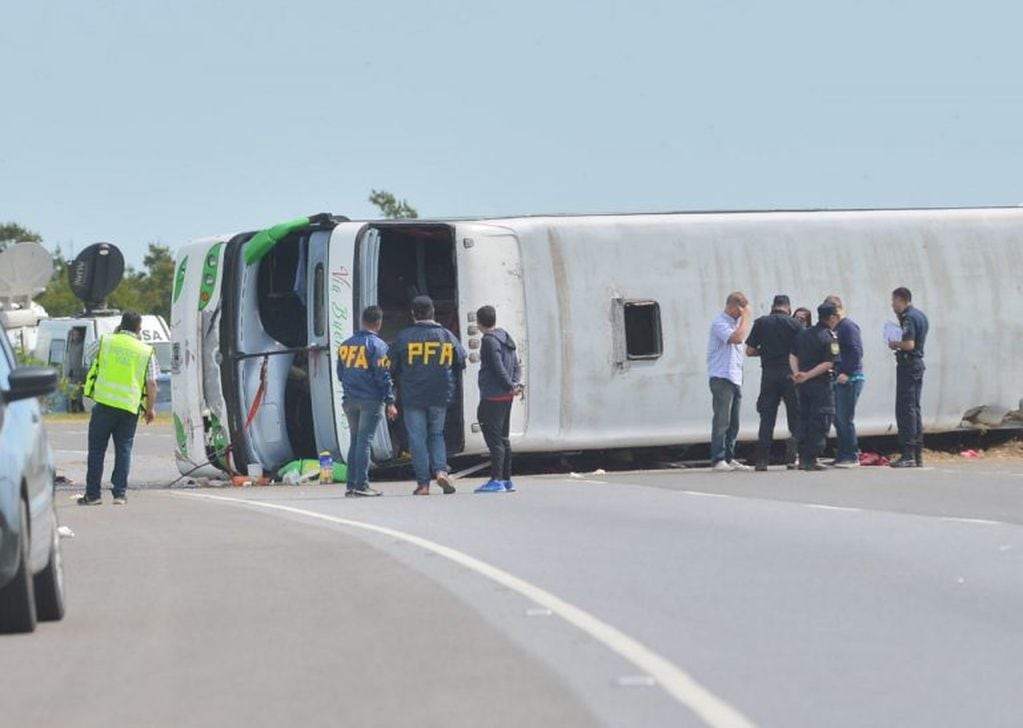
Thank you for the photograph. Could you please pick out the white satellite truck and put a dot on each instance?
(611, 314)
(62, 342)
(25, 270)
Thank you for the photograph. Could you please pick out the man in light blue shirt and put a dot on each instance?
(725, 357)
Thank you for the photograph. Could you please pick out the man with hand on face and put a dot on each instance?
(812, 360)
(724, 365)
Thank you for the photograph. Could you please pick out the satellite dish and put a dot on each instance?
(25, 271)
(95, 273)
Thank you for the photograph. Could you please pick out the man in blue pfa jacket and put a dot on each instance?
(425, 359)
(499, 381)
(363, 369)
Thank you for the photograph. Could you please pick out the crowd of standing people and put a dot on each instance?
(423, 362)
(816, 371)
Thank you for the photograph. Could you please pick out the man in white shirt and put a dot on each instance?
(725, 357)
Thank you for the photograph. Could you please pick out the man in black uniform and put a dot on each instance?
(909, 378)
(771, 339)
(813, 357)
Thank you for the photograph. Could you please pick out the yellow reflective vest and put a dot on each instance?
(117, 377)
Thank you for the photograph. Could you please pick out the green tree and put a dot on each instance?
(390, 206)
(149, 290)
(12, 232)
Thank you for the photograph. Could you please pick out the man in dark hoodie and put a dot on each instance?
(425, 359)
(499, 381)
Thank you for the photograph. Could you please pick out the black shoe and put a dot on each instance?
(761, 467)
(919, 457)
(903, 462)
(84, 500)
(366, 492)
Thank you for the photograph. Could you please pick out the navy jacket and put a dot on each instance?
(363, 368)
(850, 342)
(500, 370)
(424, 360)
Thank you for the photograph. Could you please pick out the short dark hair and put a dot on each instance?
(736, 298)
(486, 316)
(903, 294)
(130, 321)
(826, 311)
(781, 301)
(372, 315)
(422, 308)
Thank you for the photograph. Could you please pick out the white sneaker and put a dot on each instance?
(721, 467)
(736, 465)
(847, 463)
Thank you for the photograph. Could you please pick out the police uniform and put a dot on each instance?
(773, 335)
(909, 381)
(814, 346)
(425, 361)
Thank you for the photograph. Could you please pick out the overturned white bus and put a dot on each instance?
(611, 314)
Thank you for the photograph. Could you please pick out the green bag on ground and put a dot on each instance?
(308, 466)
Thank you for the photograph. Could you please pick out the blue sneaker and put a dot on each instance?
(509, 486)
(491, 486)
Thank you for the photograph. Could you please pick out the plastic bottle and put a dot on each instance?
(326, 467)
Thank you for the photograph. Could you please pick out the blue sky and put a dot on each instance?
(138, 121)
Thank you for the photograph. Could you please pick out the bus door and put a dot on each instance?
(490, 273)
(366, 291)
(342, 319)
(321, 353)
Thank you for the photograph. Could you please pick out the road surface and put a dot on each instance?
(668, 598)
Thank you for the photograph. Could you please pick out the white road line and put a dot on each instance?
(983, 521)
(675, 681)
(71, 452)
(706, 495)
(823, 507)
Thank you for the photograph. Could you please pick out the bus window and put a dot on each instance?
(319, 302)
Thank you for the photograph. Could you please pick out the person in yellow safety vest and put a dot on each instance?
(122, 382)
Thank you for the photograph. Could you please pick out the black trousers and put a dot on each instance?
(776, 386)
(909, 385)
(816, 411)
(495, 422)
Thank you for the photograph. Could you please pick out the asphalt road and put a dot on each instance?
(670, 598)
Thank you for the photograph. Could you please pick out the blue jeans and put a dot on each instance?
(425, 428)
(727, 396)
(846, 396)
(104, 422)
(364, 417)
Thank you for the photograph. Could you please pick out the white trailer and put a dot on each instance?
(611, 314)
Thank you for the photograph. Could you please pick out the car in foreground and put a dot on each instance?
(31, 568)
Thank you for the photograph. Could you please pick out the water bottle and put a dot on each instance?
(326, 467)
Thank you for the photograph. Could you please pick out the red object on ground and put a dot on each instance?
(971, 454)
(872, 458)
